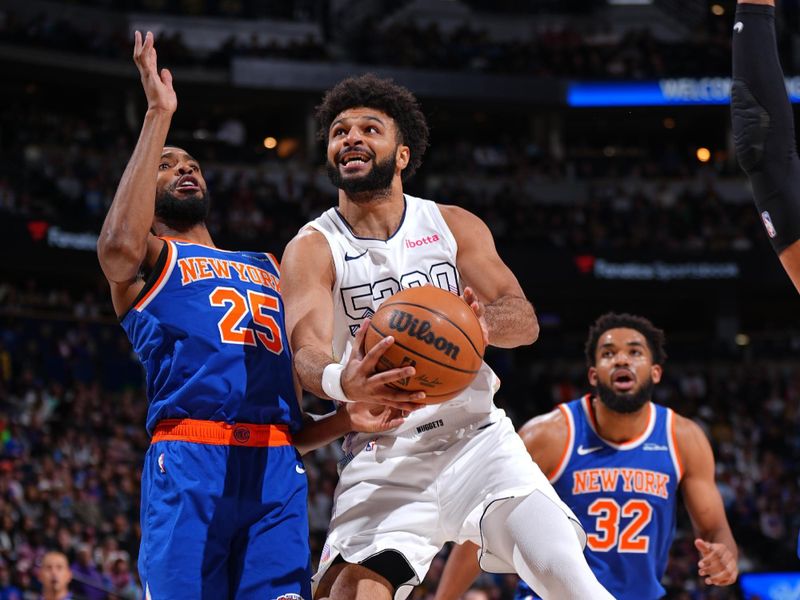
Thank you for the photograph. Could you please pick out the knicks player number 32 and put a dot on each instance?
(607, 534)
(231, 327)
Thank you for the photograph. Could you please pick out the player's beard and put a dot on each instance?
(625, 403)
(378, 179)
(181, 213)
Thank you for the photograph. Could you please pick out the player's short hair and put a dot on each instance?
(385, 95)
(653, 335)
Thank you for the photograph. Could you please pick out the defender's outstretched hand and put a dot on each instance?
(361, 383)
(372, 418)
(157, 86)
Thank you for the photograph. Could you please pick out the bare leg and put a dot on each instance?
(346, 581)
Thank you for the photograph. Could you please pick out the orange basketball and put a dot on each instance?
(437, 333)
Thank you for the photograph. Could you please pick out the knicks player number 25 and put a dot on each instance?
(607, 527)
(231, 329)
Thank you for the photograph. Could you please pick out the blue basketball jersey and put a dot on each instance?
(209, 329)
(625, 497)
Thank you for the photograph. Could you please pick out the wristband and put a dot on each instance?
(332, 382)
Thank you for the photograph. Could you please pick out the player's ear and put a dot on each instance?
(402, 156)
(655, 373)
(592, 376)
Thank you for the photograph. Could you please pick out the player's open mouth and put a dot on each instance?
(623, 380)
(187, 183)
(352, 162)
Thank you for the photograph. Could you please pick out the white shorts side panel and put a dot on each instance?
(414, 495)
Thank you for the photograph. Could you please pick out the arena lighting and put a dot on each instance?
(685, 91)
(703, 154)
(742, 339)
(718, 10)
(270, 142)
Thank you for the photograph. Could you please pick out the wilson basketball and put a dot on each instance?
(437, 333)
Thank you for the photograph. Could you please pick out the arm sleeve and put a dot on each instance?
(763, 125)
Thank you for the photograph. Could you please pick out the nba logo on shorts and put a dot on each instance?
(161, 463)
(326, 553)
(768, 224)
(370, 446)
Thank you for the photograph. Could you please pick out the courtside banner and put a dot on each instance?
(770, 586)
(685, 91)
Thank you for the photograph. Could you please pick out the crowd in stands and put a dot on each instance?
(72, 403)
(72, 440)
(597, 52)
(65, 169)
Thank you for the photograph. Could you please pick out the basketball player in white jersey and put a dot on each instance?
(455, 471)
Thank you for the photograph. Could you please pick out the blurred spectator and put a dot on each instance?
(89, 581)
(55, 576)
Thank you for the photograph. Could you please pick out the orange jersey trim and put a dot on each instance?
(626, 444)
(676, 452)
(168, 264)
(565, 453)
(218, 433)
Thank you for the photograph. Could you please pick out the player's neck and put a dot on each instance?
(196, 233)
(619, 427)
(374, 215)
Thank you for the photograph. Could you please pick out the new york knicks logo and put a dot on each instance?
(241, 434)
(289, 597)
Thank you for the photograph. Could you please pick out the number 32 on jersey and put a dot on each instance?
(609, 530)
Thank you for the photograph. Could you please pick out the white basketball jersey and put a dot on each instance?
(368, 271)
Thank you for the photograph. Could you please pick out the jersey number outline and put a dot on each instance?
(609, 513)
(358, 300)
(231, 330)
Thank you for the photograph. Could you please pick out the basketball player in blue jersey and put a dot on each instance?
(618, 460)
(223, 509)
(454, 471)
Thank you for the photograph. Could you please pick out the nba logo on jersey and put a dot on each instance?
(768, 224)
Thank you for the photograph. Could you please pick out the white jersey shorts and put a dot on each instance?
(414, 493)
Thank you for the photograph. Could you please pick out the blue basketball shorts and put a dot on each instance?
(223, 520)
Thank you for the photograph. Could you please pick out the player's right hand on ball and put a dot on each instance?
(157, 86)
(361, 383)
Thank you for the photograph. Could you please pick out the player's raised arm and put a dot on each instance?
(124, 242)
(763, 129)
(509, 316)
(307, 276)
(714, 540)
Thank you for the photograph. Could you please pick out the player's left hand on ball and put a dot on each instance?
(479, 309)
(716, 564)
(372, 418)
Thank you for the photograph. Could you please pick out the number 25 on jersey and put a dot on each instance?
(255, 305)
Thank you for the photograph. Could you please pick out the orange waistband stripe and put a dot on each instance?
(218, 433)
